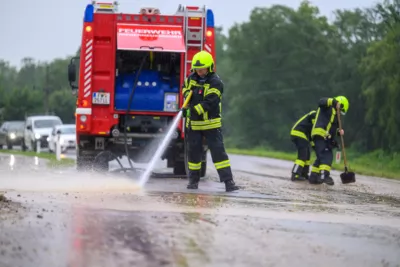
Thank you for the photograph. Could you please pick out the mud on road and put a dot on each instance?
(62, 218)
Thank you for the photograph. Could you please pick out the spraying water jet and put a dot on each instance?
(146, 175)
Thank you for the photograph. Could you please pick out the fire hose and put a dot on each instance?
(107, 155)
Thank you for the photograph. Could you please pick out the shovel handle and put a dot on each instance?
(342, 139)
(189, 96)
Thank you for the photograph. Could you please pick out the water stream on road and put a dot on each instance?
(161, 148)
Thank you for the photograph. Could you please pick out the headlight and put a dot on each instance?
(12, 136)
(37, 135)
(83, 118)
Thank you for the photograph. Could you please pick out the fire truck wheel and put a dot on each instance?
(203, 170)
(180, 168)
(84, 164)
(101, 165)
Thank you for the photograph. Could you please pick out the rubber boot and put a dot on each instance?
(194, 179)
(315, 178)
(305, 171)
(296, 173)
(230, 186)
(326, 178)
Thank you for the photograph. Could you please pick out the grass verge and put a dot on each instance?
(376, 163)
(52, 160)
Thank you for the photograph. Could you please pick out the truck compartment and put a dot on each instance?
(145, 124)
(158, 84)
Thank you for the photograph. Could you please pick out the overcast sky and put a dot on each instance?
(47, 29)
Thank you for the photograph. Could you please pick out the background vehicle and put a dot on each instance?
(11, 134)
(38, 128)
(132, 68)
(67, 137)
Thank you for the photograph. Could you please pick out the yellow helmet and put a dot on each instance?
(203, 60)
(345, 103)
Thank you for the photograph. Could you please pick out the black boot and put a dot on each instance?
(305, 171)
(326, 178)
(230, 186)
(296, 177)
(315, 178)
(194, 179)
(296, 173)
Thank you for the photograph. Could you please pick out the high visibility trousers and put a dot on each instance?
(302, 163)
(324, 154)
(303, 151)
(218, 154)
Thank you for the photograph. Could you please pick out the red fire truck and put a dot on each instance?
(131, 72)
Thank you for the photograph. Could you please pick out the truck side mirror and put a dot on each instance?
(71, 72)
(29, 127)
(58, 131)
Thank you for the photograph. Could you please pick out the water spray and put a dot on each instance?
(146, 175)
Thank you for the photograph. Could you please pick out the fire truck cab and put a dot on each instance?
(131, 72)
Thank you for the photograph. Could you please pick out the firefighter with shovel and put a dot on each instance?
(323, 133)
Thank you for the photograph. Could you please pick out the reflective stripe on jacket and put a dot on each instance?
(206, 101)
(326, 123)
(302, 128)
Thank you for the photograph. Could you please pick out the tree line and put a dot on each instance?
(277, 65)
(36, 88)
(275, 68)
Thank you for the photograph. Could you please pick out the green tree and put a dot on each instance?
(282, 60)
(23, 101)
(381, 84)
(62, 102)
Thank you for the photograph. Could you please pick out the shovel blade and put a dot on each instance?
(348, 177)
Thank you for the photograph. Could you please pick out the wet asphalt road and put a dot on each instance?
(65, 218)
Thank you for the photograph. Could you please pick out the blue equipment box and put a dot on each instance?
(154, 92)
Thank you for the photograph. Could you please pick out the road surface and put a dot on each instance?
(65, 218)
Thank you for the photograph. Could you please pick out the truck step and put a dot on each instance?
(194, 45)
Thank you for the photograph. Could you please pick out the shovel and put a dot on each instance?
(346, 177)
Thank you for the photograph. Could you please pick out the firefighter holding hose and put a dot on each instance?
(323, 134)
(301, 137)
(203, 119)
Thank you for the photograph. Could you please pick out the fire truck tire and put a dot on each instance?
(101, 165)
(180, 168)
(84, 163)
(203, 170)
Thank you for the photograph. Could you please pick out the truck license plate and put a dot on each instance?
(101, 98)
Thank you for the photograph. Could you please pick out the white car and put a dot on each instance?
(38, 129)
(67, 134)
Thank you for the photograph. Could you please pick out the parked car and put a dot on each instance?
(38, 129)
(67, 137)
(11, 134)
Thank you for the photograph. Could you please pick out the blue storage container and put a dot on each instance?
(154, 92)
